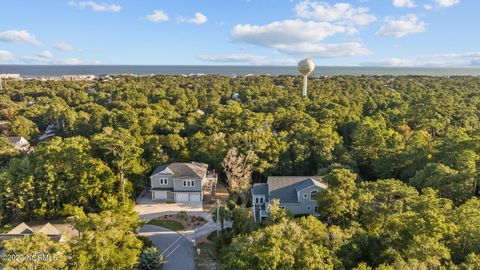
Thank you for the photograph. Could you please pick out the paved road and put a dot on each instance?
(179, 256)
(148, 209)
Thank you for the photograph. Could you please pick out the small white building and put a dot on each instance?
(19, 143)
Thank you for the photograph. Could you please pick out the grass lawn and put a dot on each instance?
(169, 224)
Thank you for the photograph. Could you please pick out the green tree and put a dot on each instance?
(107, 240)
(467, 238)
(22, 126)
(285, 245)
(150, 259)
(120, 149)
(449, 182)
(35, 251)
(337, 203)
(276, 213)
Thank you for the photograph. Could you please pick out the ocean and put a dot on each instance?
(98, 70)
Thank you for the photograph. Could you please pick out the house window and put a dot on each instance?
(188, 183)
(163, 181)
(305, 195)
(259, 200)
(312, 195)
(316, 208)
(282, 207)
(309, 208)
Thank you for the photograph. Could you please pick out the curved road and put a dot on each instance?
(179, 256)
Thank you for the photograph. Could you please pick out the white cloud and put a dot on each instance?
(341, 13)
(65, 47)
(38, 59)
(19, 36)
(428, 7)
(72, 61)
(199, 18)
(45, 55)
(287, 32)
(95, 6)
(432, 60)
(447, 3)
(324, 50)
(405, 25)
(408, 62)
(404, 3)
(475, 62)
(297, 37)
(454, 55)
(246, 58)
(6, 56)
(158, 16)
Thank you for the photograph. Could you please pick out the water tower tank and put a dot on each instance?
(306, 66)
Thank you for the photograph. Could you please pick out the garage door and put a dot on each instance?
(195, 197)
(182, 196)
(159, 195)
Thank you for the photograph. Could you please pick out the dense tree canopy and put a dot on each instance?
(401, 155)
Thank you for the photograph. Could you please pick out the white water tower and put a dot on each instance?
(306, 66)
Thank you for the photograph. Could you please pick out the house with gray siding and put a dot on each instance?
(181, 182)
(295, 193)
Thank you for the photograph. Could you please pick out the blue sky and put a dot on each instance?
(243, 32)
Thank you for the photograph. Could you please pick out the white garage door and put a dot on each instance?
(160, 195)
(182, 196)
(195, 197)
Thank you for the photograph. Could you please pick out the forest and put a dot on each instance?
(401, 156)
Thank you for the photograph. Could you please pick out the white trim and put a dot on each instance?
(313, 185)
(161, 172)
(188, 183)
(309, 208)
(316, 183)
(163, 181)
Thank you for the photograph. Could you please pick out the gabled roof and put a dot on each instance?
(15, 140)
(285, 188)
(308, 183)
(193, 170)
(49, 229)
(260, 189)
(22, 228)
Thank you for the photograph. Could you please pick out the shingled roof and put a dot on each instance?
(260, 189)
(48, 229)
(179, 170)
(22, 228)
(285, 188)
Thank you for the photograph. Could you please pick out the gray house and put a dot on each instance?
(295, 193)
(182, 182)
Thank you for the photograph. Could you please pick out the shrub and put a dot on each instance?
(150, 259)
(182, 215)
(147, 243)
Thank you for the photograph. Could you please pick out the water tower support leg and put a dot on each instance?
(305, 81)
